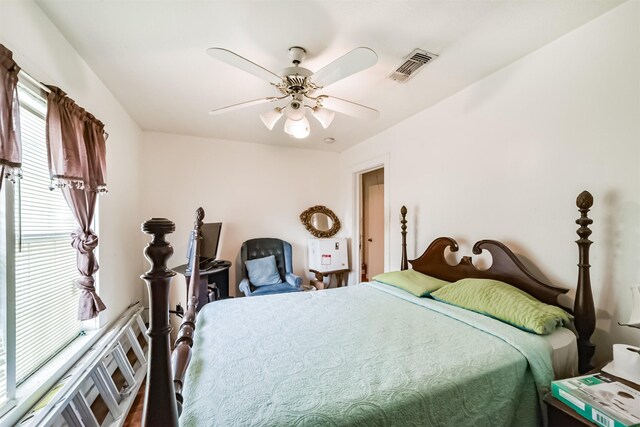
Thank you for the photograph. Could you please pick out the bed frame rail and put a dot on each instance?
(182, 349)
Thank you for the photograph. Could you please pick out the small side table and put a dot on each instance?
(337, 278)
(561, 415)
(217, 276)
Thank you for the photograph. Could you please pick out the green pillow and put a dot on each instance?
(504, 302)
(411, 281)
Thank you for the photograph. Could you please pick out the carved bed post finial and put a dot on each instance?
(585, 317)
(197, 235)
(403, 221)
(159, 403)
(199, 217)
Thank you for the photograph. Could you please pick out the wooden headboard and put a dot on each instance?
(507, 268)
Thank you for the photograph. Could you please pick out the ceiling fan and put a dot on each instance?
(299, 86)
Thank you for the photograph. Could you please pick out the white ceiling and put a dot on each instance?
(152, 54)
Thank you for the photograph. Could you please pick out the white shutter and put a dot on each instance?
(46, 295)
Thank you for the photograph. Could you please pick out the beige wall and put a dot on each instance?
(44, 53)
(506, 157)
(255, 190)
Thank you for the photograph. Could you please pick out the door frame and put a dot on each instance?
(372, 250)
(356, 190)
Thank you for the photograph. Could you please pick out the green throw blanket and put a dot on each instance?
(364, 355)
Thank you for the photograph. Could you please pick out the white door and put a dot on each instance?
(373, 223)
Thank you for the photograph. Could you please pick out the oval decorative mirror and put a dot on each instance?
(320, 221)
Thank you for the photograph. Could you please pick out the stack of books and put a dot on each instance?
(600, 399)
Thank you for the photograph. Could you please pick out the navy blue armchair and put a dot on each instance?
(261, 248)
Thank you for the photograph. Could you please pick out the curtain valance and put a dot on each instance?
(10, 152)
(77, 154)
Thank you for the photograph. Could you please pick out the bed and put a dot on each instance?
(367, 354)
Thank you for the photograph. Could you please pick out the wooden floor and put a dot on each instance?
(134, 418)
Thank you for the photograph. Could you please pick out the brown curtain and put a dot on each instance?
(77, 154)
(10, 156)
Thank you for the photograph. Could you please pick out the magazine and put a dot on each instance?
(600, 399)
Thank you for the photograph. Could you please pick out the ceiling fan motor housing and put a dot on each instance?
(296, 79)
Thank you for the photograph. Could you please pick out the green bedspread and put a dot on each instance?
(364, 355)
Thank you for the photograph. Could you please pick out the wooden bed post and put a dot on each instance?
(403, 221)
(584, 311)
(182, 349)
(159, 403)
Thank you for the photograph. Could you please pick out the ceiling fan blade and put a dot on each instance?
(349, 108)
(246, 104)
(357, 60)
(244, 64)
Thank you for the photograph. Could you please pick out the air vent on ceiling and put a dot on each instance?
(413, 63)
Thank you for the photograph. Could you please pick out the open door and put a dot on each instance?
(372, 220)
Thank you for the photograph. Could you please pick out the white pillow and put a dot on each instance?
(263, 271)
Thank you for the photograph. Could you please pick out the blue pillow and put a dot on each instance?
(263, 271)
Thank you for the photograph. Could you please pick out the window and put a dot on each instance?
(39, 297)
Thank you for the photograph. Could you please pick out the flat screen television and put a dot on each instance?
(209, 244)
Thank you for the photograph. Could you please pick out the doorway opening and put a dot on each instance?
(372, 232)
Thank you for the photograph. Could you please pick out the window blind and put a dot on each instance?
(46, 295)
(3, 372)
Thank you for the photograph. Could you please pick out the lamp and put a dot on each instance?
(297, 128)
(295, 110)
(271, 117)
(297, 124)
(324, 116)
(634, 319)
(626, 359)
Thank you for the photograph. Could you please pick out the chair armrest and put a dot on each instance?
(245, 287)
(293, 280)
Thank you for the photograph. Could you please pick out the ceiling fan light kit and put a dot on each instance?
(324, 116)
(298, 129)
(271, 117)
(295, 109)
(300, 84)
